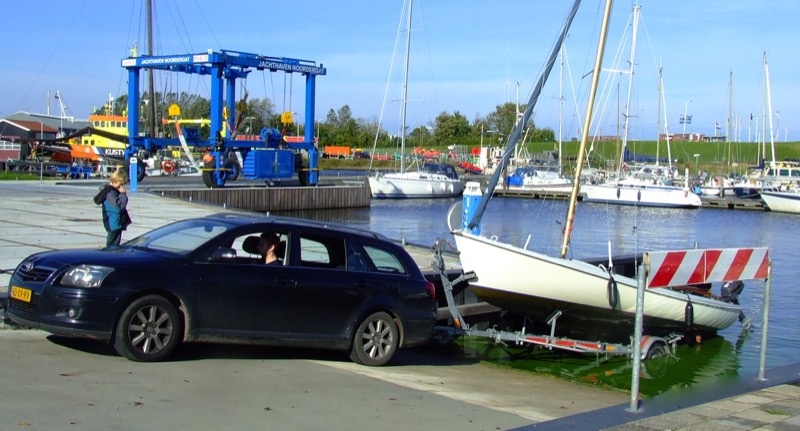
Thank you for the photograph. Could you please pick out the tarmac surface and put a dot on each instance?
(309, 390)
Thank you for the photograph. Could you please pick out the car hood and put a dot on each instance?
(121, 257)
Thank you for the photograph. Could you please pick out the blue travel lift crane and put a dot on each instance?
(269, 158)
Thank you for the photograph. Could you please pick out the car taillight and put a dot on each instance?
(432, 290)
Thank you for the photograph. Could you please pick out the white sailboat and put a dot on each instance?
(430, 181)
(647, 185)
(590, 299)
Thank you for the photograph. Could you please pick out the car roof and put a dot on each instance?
(241, 219)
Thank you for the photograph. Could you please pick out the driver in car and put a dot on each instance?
(266, 246)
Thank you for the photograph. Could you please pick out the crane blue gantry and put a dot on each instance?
(271, 157)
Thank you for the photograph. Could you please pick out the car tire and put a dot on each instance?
(148, 330)
(375, 341)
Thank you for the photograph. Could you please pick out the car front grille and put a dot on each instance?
(36, 274)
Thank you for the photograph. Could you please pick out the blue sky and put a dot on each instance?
(467, 56)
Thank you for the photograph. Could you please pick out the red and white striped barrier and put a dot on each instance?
(678, 268)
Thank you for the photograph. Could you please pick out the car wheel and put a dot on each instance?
(375, 340)
(149, 329)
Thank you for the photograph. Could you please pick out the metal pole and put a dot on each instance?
(637, 338)
(762, 360)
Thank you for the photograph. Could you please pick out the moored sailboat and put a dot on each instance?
(428, 182)
(645, 185)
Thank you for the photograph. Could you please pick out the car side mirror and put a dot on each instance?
(222, 253)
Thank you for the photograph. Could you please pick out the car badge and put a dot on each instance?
(27, 267)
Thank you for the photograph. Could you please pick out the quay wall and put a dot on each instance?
(262, 199)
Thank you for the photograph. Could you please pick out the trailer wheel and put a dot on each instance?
(657, 350)
(375, 341)
(442, 338)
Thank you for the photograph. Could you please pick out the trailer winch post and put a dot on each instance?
(762, 360)
(637, 338)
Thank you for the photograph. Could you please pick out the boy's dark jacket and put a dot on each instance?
(115, 212)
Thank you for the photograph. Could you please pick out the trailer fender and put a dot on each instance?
(654, 347)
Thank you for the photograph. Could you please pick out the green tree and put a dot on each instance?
(451, 129)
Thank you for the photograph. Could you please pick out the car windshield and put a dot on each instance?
(181, 237)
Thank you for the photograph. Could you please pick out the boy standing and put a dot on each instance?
(114, 202)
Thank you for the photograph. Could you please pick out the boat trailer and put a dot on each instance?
(651, 346)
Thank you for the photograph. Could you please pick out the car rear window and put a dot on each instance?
(385, 260)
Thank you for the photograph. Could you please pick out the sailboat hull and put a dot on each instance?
(641, 195)
(414, 185)
(538, 285)
(787, 202)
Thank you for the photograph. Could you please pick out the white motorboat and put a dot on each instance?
(539, 179)
(787, 201)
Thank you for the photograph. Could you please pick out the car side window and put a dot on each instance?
(245, 248)
(321, 251)
(385, 260)
(356, 261)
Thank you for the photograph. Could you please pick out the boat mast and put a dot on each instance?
(405, 93)
(769, 108)
(730, 120)
(573, 200)
(658, 118)
(515, 134)
(666, 121)
(560, 107)
(636, 8)
(151, 84)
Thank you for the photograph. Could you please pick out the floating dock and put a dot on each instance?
(730, 203)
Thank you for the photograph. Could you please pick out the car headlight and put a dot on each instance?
(86, 276)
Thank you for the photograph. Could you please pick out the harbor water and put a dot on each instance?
(538, 225)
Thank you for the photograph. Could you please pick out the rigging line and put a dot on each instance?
(123, 73)
(180, 23)
(52, 53)
(512, 140)
(210, 28)
(388, 81)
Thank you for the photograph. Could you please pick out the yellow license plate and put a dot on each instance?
(20, 293)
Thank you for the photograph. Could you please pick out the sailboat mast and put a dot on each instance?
(730, 120)
(405, 92)
(769, 108)
(636, 9)
(151, 84)
(560, 107)
(598, 62)
(666, 121)
(658, 118)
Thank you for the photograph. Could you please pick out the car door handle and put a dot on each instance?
(283, 281)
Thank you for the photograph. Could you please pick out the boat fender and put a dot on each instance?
(688, 314)
(168, 166)
(613, 293)
(618, 192)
